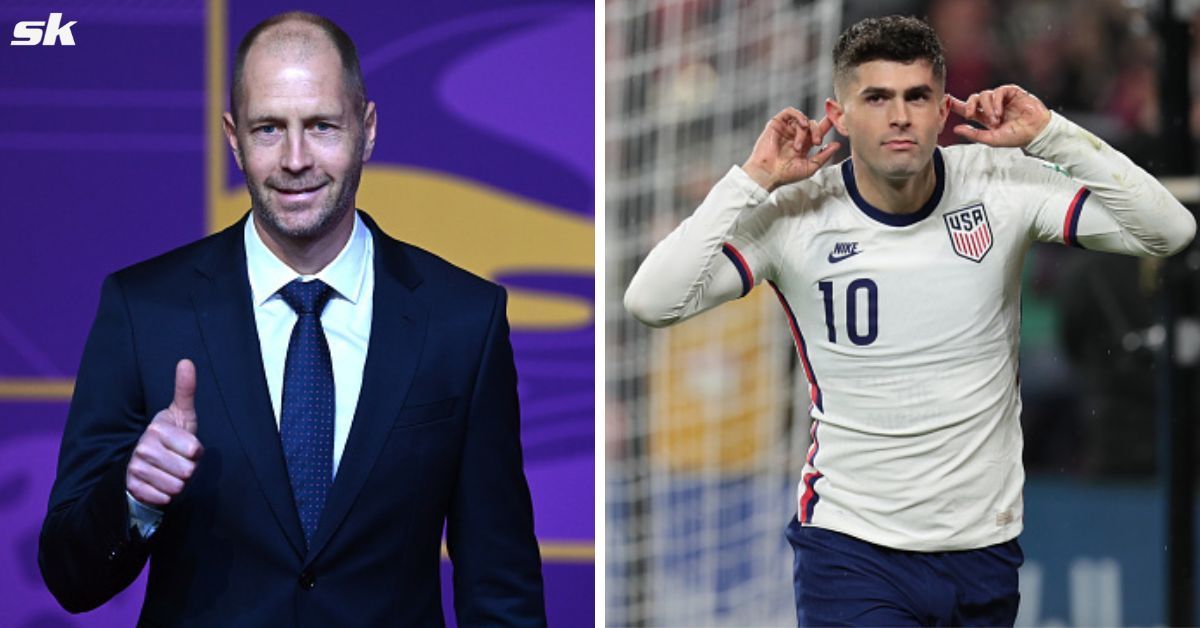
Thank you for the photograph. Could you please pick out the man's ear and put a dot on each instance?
(944, 112)
(835, 113)
(231, 136)
(369, 121)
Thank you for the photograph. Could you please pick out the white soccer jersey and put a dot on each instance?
(907, 325)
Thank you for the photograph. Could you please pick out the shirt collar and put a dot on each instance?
(898, 220)
(345, 274)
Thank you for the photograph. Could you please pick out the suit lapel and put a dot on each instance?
(398, 327)
(226, 317)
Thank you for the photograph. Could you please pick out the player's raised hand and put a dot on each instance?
(1013, 116)
(166, 454)
(781, 154)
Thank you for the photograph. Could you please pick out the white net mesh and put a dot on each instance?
(707, 421)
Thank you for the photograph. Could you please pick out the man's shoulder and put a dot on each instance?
(434, 272)
(979, 159)
(172, 267)
(999, 173)
(443, 270)
(822, 191)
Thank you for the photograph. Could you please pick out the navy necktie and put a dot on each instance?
(306, 420)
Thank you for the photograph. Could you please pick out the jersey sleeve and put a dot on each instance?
(716, 255)
(1079, 191)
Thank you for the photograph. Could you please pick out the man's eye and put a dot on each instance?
(266, 129)
(322, 127)
(873, 98)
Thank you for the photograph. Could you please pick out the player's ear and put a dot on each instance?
(943, 111)
(231, 136)
(835, 113)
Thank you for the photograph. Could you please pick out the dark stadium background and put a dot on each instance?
(485, 154)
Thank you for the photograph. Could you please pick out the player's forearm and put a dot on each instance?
(686, 272)
(1152, 221)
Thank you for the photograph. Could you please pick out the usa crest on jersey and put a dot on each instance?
(970, 232)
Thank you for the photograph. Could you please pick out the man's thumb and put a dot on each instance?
(184, 403)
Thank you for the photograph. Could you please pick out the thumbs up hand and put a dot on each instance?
(182, 410)
(165, 456)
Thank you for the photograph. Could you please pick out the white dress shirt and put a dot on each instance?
(346, 321)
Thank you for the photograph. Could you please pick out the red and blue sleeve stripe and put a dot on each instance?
(808, 501)
(742, 267)
(1071, 221)
(814, 389)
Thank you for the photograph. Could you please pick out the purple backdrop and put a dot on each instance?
(103, 153)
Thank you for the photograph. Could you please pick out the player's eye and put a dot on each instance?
(266, 129)
(322, 127)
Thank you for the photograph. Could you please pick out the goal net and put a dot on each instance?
(707, 422)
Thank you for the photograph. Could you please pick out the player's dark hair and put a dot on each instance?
(891, 38)
(351, 73)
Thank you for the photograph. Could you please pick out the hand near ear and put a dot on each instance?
(1013, 116)
(781, 154)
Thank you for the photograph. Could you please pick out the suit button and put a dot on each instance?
(308, 580)
(117, 548)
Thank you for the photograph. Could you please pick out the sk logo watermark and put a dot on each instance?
(48, 33)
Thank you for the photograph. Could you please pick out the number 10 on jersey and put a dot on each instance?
(854, 294)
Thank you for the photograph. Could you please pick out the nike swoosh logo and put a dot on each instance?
(834, 258)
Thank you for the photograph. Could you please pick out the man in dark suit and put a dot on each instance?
(337, 397)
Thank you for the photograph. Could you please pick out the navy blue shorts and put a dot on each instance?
(843, 581)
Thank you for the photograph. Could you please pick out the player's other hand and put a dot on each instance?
(781, 154)
(166, 454)
(1011, 115)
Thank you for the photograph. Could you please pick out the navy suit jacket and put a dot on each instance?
(435, 441)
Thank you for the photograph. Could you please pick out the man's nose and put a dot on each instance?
(899, 114)
(296, 154)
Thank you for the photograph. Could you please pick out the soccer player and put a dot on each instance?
(899, 272)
